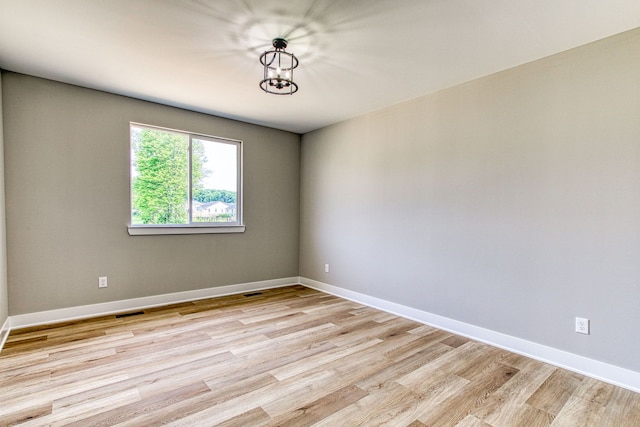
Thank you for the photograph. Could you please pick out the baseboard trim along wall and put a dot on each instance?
(595, 369)
(592, 368)
(102, 309)
(4, 333)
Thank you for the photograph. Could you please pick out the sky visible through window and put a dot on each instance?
(220, 167)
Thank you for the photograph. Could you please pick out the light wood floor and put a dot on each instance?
(286, 357)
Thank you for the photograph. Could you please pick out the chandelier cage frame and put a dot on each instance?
(278, 67)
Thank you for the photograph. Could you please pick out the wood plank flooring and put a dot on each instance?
(286, 357)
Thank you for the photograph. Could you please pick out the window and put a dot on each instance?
(183, 183)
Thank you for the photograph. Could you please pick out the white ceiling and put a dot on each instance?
(356, 56)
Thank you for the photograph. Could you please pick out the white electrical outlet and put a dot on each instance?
(582, 325)
(326, 268)
(102, 282)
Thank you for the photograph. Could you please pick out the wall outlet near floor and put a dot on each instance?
(102, 282)
(582, 325)
(326, 268)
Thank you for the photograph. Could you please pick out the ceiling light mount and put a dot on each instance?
(278, 69)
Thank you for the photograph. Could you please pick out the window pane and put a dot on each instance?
(159, 176)
(215, 181)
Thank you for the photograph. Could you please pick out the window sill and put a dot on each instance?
(150, 230)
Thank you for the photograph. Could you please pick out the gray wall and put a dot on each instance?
(4, 305)
(511, 202)
(67, 192)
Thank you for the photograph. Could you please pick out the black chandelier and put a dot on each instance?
(278, 69)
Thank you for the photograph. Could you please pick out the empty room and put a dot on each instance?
(320, 213)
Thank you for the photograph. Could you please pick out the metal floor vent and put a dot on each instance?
(253, 294)
(135, 313)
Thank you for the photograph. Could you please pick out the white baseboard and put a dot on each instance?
(592, 368)
(599, 370)
(4, 333)
(94, 310)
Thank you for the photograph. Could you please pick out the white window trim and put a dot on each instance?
(150, 230)
(194, 228)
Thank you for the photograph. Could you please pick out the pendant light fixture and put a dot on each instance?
(278, 69)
